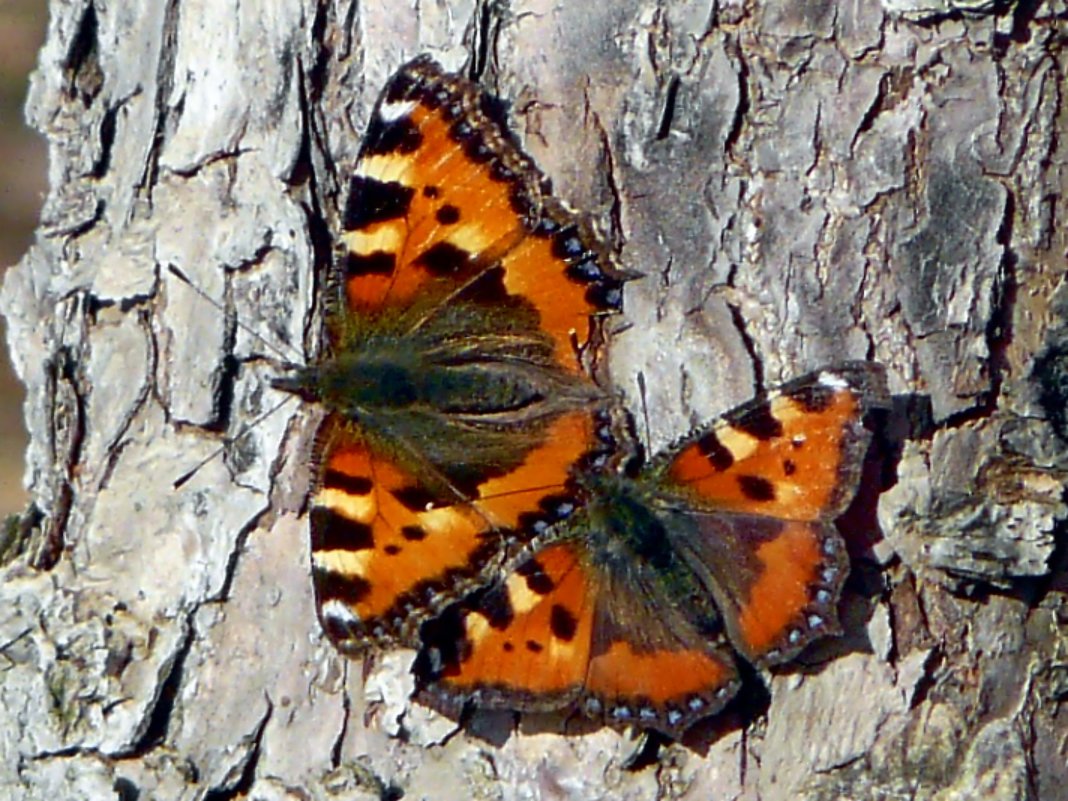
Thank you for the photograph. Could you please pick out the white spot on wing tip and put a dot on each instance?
(391, 112)
(833, 380)
(336, 610)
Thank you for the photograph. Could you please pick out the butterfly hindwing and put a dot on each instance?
(560, 631)
(653, 663)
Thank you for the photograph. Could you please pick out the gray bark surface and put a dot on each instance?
(799, 182)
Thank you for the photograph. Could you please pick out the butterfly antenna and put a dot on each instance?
(278, 350)
(230, 441)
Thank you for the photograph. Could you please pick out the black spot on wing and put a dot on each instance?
(396, 136)
(351, 485)
(718, 455)
(537, 579)
(331, 531)
(789, 467)
(447, 215)
(562, 623)
(377, 263)
(413, 533)
(444, 258)
(331, 586)
(756, 488)
(534, 647)
(414, 498)
(497, 608)
(759, 423)
(372, 201)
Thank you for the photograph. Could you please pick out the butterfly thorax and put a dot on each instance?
(453, 393)
(622, 526)
(633, 539)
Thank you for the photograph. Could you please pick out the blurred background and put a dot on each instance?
(22, 185)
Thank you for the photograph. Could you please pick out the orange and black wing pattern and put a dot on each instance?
(457, 400)
(442, 194)
(561, 632)
(763, 486)
(387, 553)
(631, 611)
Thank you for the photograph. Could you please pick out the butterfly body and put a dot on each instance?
(451, 371)
(632, 610)
(464, 362)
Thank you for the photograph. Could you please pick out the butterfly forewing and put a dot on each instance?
(442, 192)
(761, 488)
(794, 454)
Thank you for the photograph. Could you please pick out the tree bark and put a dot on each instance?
(799, 183)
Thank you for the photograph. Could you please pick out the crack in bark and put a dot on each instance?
(339, 741)
(484, 28)
(247, 766)
(67, 417)
(668, 112)
(164, 87)
(82, 60)
(738, 320)
(741, 109)
(615, 212)
(160, 711)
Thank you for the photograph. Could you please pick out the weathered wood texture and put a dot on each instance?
(800, 182)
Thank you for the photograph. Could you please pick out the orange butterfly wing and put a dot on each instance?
(764, 485)
(623, 615)
(442, 192)
(793, 455)
(386, 555)
(560, 631)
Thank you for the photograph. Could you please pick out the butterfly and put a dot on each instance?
(632, 611)
(460, 322)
